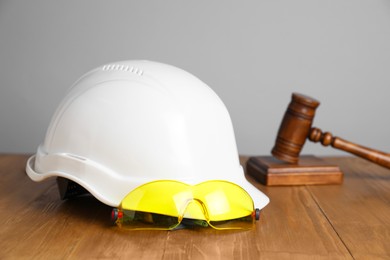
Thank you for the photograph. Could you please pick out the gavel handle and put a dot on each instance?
(316, 135)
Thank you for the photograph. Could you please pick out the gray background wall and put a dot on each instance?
(254, 54)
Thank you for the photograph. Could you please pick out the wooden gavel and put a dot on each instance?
(296, 127)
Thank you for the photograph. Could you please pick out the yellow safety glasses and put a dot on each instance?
(168, 205)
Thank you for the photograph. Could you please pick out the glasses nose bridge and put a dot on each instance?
(198, 204)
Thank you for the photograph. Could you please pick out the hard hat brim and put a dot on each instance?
(107, 189)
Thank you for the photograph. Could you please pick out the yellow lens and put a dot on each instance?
(164, 204)
(161, 197)
(224, 200)
(228, 205)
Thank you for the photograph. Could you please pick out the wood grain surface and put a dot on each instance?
(348, 221)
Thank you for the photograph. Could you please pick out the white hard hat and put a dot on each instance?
(132, 122)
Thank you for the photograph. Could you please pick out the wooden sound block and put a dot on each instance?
(309, 170)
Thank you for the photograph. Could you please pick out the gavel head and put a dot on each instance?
(295, 128)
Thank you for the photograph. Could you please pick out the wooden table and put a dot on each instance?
(348, 221)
